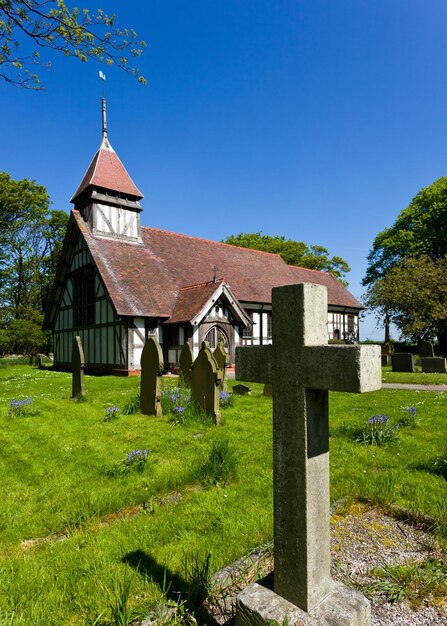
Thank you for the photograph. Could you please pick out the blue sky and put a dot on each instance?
(317, 120)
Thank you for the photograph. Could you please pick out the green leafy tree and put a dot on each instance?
(31, 238)
(414, 294)
(28, 26)
(419, 230)
(293, 252)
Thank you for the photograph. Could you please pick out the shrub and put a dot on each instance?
(20, 408)
(439, 465)
(225, 399)
(219, 464)
(132, 406)
(111, 414)
(409, 418)
(378, 432)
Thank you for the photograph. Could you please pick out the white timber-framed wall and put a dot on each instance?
(86, 311)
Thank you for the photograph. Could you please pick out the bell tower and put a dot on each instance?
(107, 197)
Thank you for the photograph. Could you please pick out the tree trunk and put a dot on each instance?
(442, 338)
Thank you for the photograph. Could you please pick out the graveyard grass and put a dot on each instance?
(412, 378)
(78, 540)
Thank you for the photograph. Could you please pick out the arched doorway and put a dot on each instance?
(216, 334)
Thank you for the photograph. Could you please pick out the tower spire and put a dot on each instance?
(105, 140)
(104, 120)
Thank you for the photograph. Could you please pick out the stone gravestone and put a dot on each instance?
(150, 385)
(425, 349)
(77, 368)
(434, 365)
(186, 360)
(222, 360)
(386, 360)
(205, 382)
(302, 368)
(241, 390)
(402, 362)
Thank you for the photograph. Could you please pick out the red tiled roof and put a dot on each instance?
(191, 300)
(337, 294)
(107, 171)
(145, 279)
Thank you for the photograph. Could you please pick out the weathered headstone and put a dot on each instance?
(205, 381)
(302, 368)
(241, 390)
(222, 360)
(434, 365)
(186, 360)
(385, 360)
(77, 368)
(402, 362)
(39, 362)
(425, 349)
(150, 385)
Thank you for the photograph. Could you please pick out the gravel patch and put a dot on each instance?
(362, 538)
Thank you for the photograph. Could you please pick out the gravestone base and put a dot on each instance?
(257, 605)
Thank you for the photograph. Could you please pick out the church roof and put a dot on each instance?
(107, 171)
(191, 300)
(147, 279)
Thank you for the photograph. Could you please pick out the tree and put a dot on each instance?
(414, 294)
(293, 252)
(31, 238)
(419, 230)
(29, 25)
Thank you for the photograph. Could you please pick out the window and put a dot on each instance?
(84, 298)
(351, 324)
(248, 330)
(214, 335)
(269, 324)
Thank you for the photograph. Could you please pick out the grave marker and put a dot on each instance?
(425, 349)
(241, 390)
(402, 362)
(302, 368)
(150, 385)
(77, 368)
(205, 381)
(222, 360)
(186, 360)
(434, 365)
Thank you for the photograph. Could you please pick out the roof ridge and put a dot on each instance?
(204, 284)
(310, 269)
(220, 243)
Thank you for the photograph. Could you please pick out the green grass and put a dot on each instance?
(69, 531)
(415, 378)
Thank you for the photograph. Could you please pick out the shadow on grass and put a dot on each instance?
(147, 566)
(192, 589)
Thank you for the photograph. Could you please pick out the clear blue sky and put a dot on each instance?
(317, 120)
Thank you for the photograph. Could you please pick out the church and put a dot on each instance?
(119, 282)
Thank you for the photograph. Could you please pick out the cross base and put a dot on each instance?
(257, 605)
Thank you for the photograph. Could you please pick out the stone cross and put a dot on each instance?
(186, 360)
(302, 368)
(222, 360)
(205, 382)
(77, 368)
(150, 385)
